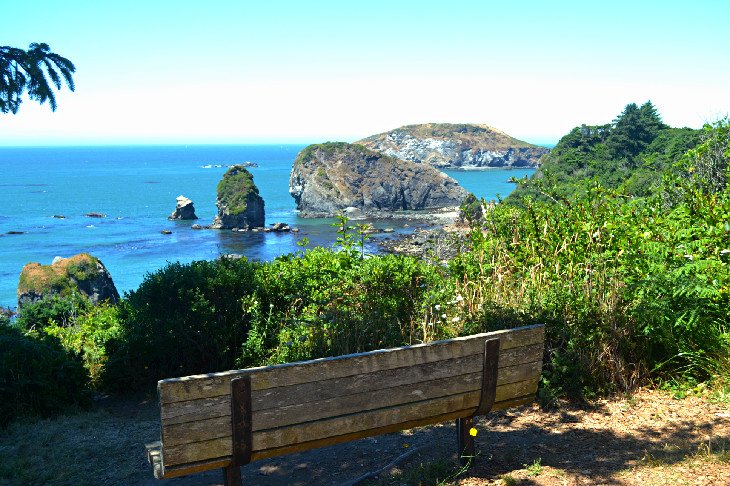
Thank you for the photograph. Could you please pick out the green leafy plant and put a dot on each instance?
(38, 377)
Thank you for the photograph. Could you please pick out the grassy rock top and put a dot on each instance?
(82, 273)
(455, 145)
(476, 134)
(235, 188)
(39, 278)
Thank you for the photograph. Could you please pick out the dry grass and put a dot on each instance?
(103, 446)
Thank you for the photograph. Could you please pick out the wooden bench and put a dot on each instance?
(228, 419)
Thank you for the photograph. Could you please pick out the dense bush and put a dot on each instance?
(87, 334)
(631, 288)
(53, 309)
(38, 377)
(183, 319)
(630, 154)
(328, 303)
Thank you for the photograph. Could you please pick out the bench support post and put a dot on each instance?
(241, 428)
(464, 439)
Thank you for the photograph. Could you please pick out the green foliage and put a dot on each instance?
(183, 319)
(331, 303)
(633, 130)
(534, 469)
(53, 309)
(236, 188)
(86, 334)
(37, 377)
(630, 287)
(630, 155)
(22, 71)
(471, 209)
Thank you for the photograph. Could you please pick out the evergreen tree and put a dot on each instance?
(633, 130)
(30, 71)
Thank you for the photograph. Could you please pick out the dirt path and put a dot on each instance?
(647, 439)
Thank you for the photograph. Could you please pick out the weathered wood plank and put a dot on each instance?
(347, 403)
(216, 453)
(215, 384)
(349, 424)
(192, 410)
(210, 428)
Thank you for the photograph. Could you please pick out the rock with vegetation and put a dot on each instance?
(184, 209)
(330, 178)
(239, 203)
(80, 274)
(455, 146)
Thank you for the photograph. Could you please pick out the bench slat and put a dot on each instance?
(216, 384)
(194, 410)
(345, 403)
(398, 416)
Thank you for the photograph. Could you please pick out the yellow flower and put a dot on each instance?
(473, 432)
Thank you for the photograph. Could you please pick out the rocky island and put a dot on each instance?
(455, 146)
(184, 209)
(329, 178)
(82, 273)
(239, 204)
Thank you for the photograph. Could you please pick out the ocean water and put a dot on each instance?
(136, 187)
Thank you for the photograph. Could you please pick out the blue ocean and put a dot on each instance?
(45, 194)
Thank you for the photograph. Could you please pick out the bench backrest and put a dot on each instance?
(300, 406)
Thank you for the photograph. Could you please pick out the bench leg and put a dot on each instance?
(232, 476)
(464, 440)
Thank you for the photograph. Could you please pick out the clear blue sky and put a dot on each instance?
(294, 71)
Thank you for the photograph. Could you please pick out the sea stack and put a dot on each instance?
(455, 146)
(330, 178)
(184, 209)
(239, 204)
(81, 274)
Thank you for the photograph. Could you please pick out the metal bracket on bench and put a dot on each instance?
(489, 376)
(241, 429)
(464, 438)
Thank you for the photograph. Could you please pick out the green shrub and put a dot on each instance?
(87, 335)
(629, 290)
(53, 309)
(37, 377)
(329, 303)
(183, 319)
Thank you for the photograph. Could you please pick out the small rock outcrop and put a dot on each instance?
(455, 146)
(80, 273)
(184, 209)
(330, 178)
(239, 204)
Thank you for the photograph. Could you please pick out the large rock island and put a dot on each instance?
(239, 204)
(332, 177)
(455, 146)
(81, 274)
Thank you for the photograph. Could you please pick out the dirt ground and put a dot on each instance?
(648, 439)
